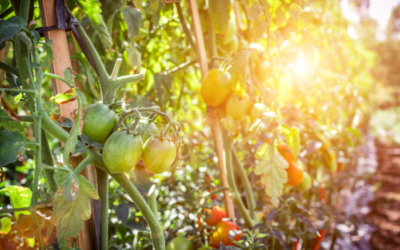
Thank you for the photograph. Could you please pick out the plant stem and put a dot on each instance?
(24, 9)
(6, 67)
(24, 118)
(231, 179)
(153, 202)
(185, 28)
(246, 183)
(88, 160)
(58, 78)
(102, 184)
(6, 12)
(47, 159)
(29, 91)
(53, 128)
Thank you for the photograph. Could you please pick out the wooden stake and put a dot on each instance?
(86, 238)
(212, 117)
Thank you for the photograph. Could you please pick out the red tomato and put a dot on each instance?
(221, 234)
(322, 193)
(319, 239)
(218, 213)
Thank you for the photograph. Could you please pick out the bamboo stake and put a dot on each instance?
(212, 117)
(61, 62)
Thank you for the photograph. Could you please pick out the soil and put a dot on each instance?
(385, 209)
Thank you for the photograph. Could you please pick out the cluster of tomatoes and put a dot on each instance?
(123, 149)
(222, 227)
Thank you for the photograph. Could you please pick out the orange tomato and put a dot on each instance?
(218, 213)
(216, 87)
(221, 234)
(322, 193)
(295, 174)
(284, 150)
(319, 239)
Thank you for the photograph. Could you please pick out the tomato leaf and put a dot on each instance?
(271, 165)
(19, 196)
(220, 15)
(10, 144)
(102, 32)
(69, 182)
(73, 135)
(70, 216)
(293, 139)
(134, 57)
(133, 19)
(238, 71)
(48, 59)
(11, 125)
(9, 106)
(65, 97)
(10, 27)
(5, 225)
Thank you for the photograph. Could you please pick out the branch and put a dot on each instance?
(86, 161)
(47, 159)
(24, 118)
(246, 183)
(102, 186)
(6, 67)
(126, 79)
(185, 27)
(231, 179)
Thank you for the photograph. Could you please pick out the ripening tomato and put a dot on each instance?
(257, 110)
(158, 155)
(306, 183)
(217, 214)
(322, 193)
(286, 153)
(221, 234)
(122, 151)
(98, 122)
(295, 174)
(180, 243)
(238, 106)
(206, 248)
(216, 87)
(149, 129)
(319, 239)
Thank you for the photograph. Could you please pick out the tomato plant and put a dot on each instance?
(216, 215)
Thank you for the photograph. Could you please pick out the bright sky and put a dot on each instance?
(378, 9)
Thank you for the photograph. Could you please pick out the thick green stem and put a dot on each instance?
(24, 118)
(53, 128)
(24, 9)
(246, 183)
(88, 160)
(24, 65)
(102, 183)
(47, 159)
(231, 179)
(6, 67)
(103, 76)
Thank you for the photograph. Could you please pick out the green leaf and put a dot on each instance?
(4, 5)
(14, 81)
(10, 27)
(10, 144)
(19, 196)
(5, 225)
(238, 71)
(11, 125)
(48, 59)
(67, 96)
(134, 57)
(68, 182)
(271, 165)
(293, 139)
(220, 15)
(70, 216)
(73, 136)
(133, 19)
(102, 32)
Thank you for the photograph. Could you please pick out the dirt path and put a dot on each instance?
(385, 210)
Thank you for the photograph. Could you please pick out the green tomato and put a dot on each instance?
(149, 129)
(180, 243)
(122, 151)
(306, 183)
(98, 122)
(158, 155)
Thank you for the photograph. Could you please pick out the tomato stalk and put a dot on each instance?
(246, 184)
(47, 159)
(231, 179)
(103, 189)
